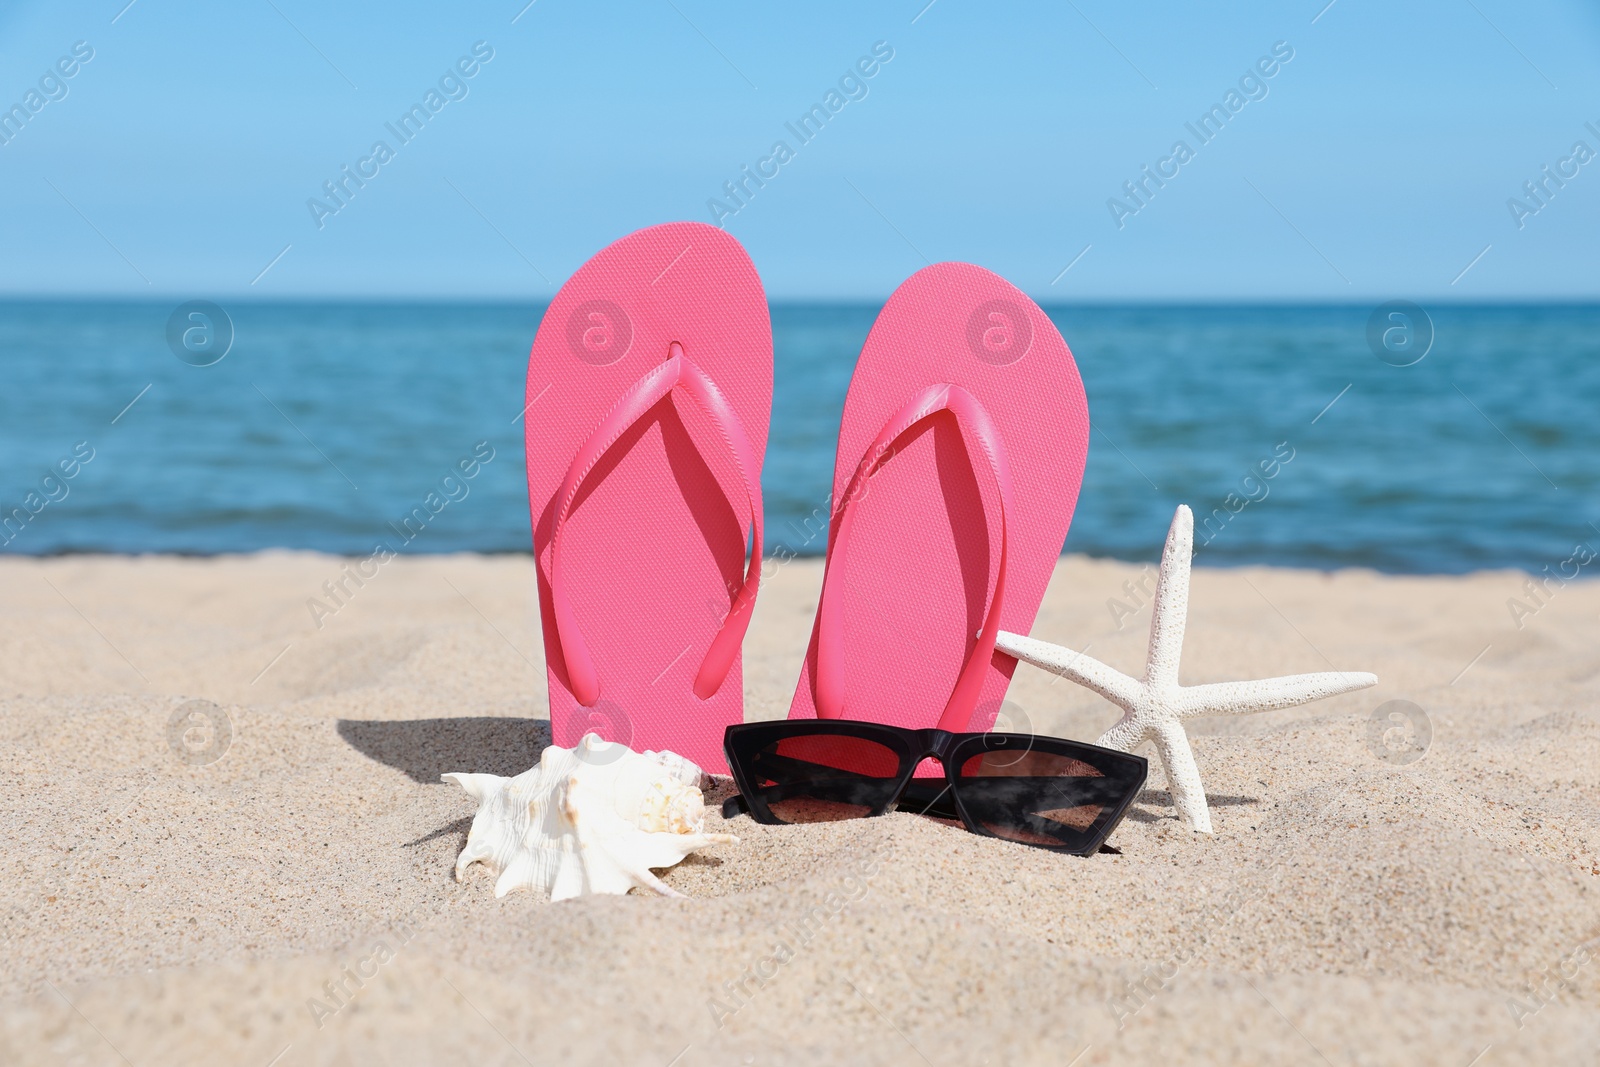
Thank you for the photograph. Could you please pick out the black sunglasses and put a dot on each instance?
(1042, 791)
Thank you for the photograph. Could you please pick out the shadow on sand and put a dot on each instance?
(1161, 801)
(426, 748)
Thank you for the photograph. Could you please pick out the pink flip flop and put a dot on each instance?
(961, 452)
(649, 394)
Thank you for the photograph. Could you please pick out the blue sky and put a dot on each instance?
(1378, 163)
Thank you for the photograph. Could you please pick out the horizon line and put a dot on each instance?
(250, 299)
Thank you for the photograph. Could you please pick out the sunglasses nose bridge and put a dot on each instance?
(933, 742)
(932, 748)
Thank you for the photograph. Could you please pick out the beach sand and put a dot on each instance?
(1348, 910)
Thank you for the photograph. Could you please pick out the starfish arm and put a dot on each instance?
(1183, 776)
(1269, 694)
(1073, 666)
(1169, 611)
(1125, 736)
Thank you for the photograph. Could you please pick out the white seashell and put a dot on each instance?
(682, 769)
(590, 819)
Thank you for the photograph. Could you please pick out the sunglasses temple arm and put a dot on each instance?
(735, 806)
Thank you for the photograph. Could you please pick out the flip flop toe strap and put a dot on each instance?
(980, 431)
(679, 372)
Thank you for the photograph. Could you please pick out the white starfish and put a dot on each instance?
(1154, 707)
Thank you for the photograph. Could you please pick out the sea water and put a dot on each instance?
(1291, 431)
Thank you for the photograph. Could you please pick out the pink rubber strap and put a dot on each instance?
(830, 634)
(678, 372)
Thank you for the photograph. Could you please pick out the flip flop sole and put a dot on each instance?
(924, 553)
(654, 544)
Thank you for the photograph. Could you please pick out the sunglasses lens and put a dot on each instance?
(825, 777)
(1038, 798)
